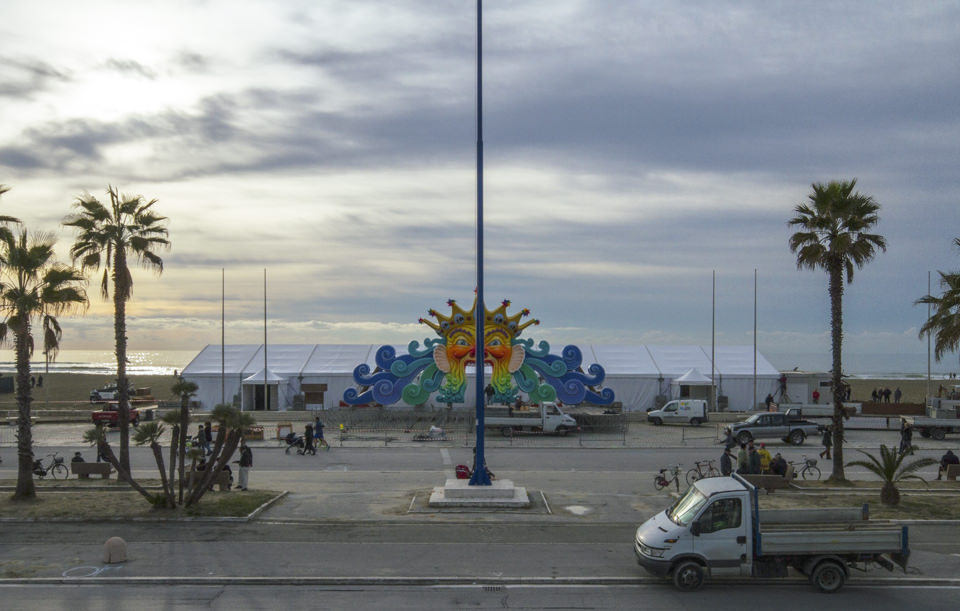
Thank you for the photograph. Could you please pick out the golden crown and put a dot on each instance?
(493, 319)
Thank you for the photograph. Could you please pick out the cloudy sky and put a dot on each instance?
(631, 150)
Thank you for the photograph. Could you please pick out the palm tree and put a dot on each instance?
(890, 468)
(834, 237)
(149, 433)
(184, 389)
(34, 288)
(106, 236)
(945, 320)
(232, 424)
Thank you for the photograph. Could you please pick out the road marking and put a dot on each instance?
(445, 456)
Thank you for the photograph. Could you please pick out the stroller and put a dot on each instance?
(294, 441)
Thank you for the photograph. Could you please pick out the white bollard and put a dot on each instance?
(115, 550)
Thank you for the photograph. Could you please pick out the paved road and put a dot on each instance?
(355, 521)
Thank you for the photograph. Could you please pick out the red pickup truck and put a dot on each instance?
(110, 415)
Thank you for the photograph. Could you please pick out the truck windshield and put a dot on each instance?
(753, 419)
(687, 508)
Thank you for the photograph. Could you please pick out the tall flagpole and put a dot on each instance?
(223, 339)
(266, 388)
(479, 476)
(754, 339)
(713, 344)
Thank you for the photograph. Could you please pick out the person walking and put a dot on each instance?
(726, 462)
(246, 463)
(318, 434)
(906, 437)
(308, 447)
(827, 442)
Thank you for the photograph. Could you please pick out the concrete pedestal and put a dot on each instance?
(499, 494)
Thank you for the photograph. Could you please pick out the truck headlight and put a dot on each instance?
(653, 552)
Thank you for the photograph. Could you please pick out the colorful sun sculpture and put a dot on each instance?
(440, 366)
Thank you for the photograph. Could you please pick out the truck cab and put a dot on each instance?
(680, 411)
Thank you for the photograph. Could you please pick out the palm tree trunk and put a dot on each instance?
(167, 484)
(184, 422)
(107, 452)
(836, 341)
(120, 292)
(223, 449)
(174, 438)
(26, 489)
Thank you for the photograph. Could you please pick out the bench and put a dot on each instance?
(221, 481)
(769, 481)
(83, 470)
(952, 472)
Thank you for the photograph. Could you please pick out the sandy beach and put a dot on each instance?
(64, 390)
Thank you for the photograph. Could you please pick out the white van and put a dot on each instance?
(680, 411)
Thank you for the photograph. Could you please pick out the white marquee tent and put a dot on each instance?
(319, 374)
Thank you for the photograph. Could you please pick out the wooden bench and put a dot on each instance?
(83, 470)
(770, 482)
(221, 481)
(952, 472)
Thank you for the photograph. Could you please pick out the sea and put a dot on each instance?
(104, 362)
(167, 362)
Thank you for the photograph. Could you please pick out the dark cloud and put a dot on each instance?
(22, 78)
(130, 67)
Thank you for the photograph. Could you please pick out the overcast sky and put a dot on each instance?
(631, 149)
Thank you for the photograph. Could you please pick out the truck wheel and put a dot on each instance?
(828, 577)
(744, 437)
(938, 434)
(694, 422)
(925, 433)
(688, 576)
(797, 437)
(657, 421)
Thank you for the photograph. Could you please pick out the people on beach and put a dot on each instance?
(886, 395)
(897, 395)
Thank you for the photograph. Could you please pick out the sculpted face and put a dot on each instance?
(460, 351)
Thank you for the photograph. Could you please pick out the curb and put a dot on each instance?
(452, 581)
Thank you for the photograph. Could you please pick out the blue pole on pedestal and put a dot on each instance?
(479, 476)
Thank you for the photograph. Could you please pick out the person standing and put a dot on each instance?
(726, 462)
(753, 458)
(208, 436)
(827, 442)
(764, 458)
(743, 465)
(897, 395)
(886, 395)
(816, 397)
(246, 462)
(202, 441)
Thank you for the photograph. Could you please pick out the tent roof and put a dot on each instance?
(292, 360)
(693, 378)
(259, 377)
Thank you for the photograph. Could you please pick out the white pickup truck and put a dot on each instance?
(717, 529)
(544, 418)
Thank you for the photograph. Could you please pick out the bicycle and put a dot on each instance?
(704, 468)
(667, 477)
(808, 470)
(56, 468)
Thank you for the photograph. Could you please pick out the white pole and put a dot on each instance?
(713, 343)
(754, 339)
(266, 389)
(223, 340)
(928, 340)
